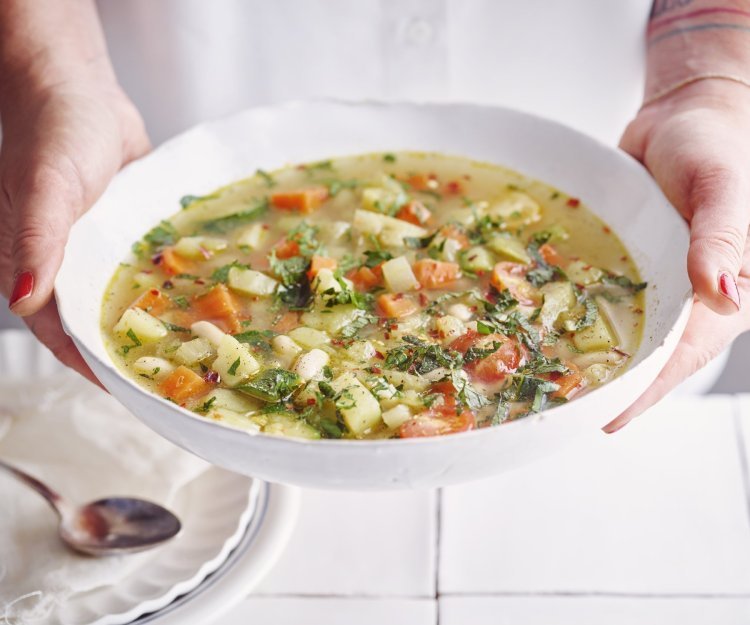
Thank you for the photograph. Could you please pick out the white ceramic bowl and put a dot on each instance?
(612, 184)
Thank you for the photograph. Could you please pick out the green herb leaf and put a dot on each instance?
(358, 324)
(624, 282)
(206, 406)
(374, 257)
(222, 273)
(233, 367)
(272, 385)
(172, 327)
(266, 177)
(257, 339)
(187, 200)
(222, 225)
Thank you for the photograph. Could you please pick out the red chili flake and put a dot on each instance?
(623, 258)
(398, 296)
(481, 273)
(376, 370)
(212, 377)
(337, 342)
(167, 285)
(607, 230)
(154, 291)
(379, 356)
(580, 286)
(387, 335)
(266, 227)
(453, 187)
(434, 334)
(423, 299)
(199, 281)
(573, 202)
(156, 259)
(311, 402)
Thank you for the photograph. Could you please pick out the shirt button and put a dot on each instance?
(418, 32)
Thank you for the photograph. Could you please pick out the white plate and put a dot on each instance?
(611, 183)
(215, 510)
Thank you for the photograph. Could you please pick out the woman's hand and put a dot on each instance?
(696, 144)
(61, 146)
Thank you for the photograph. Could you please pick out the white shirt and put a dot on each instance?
(186, 61)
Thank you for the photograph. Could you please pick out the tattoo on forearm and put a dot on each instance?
(661, 28)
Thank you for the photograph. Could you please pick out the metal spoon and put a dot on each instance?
(111, 526)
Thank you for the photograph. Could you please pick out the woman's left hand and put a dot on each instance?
(696, 144)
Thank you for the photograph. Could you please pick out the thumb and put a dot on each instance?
(45, 204)
(718, 232)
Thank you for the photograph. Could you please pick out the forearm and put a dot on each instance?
(44, 43)
(687, 38)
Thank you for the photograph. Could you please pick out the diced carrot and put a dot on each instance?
(435, 273)
(397, 305)
(218, 304)
(183, 384)
(512, 276)
(452, 231)
(320, 262)
(568, 383)
(286, 322)
(364, 278)
(414, 212)
(303, 200)
(153, 301)
(421, 182)
(286, 249)
(173, 264)
(550, 255)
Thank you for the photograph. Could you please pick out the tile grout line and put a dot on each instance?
(742, 452)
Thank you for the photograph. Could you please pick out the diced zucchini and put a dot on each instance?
(581, 273)
(398, 276)
(152, 367)
(396, 416)
(235, 419)
(389, 230)
(285, 424)
(360, 351)
(310, 365)
(199, 247)
(331, 320)
(309, 337)
(146, 327)
(146, 280)
(359, 409)
(558, 298)
(598, 337)
(384, 201)
(477, 259)
(515, 209)
(252, 237)
(234, 361)
(509, 248)
(192, 352)
(230, 400)
(448, 248)
(251, 282)
(407, 381)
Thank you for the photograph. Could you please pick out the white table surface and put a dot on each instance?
(649, 526)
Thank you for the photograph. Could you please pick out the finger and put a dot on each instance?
(48, 200)
(47, 327)
(718, 231)
(705, 337)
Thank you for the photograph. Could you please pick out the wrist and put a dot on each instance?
(714, 92)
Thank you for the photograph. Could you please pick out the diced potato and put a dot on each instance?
(359, 409)
(407, 381)
(449, 328)
(285, 348)
(399, 276)
(152, 367)
(389, 230)
(515, 209)
(558, 298)
(251, 282)
(509, 249)
(231, 400)
(208, 331)
(310, 365)
(199, 247)
(360, 351)
(253, 236)
(192, 352)
(235, 419)
(309, 337)
(284, 424)
(461, 311)
(396, 416)
(581, 273)
(325, 281)
(335, 230)
(146, 327)
(477, 259)
(333, 320)
(384, 201)
(598, 337)
(234, 361)
(147, 280)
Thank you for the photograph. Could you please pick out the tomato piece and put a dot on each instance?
(493, 368)
(512, 276)
(364, 278)
(153, 302)
(435, 273)
(570, 383)
(432, 423)
(397, 305)
(286, 249)
(414, 212)
(302, 200)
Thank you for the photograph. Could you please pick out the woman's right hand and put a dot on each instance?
(61, 145)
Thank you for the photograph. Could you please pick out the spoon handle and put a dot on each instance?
(54, 500)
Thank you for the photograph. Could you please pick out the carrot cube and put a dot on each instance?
(397, 305)
(320, 262)
(218, 304)
(364, 278)
(183, 384)
(173, 264)
(435, 273)
(153, 302)
(302, 200)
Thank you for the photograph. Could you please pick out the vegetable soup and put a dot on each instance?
(375, 296)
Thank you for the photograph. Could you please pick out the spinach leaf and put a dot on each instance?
(272, 385)
(222, 225)
(257, 339)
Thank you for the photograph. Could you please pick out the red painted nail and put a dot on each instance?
(728, 288)
(22, 288)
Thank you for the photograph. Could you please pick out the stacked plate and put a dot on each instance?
(234, 528)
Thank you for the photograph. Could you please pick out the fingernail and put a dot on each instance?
(22, 288)
(728, 288)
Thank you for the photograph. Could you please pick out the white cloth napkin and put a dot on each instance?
(85, 445)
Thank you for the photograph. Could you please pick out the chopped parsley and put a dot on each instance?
(272, 385)
(222, 225)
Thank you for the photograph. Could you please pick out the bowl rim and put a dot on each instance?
(326, 443)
